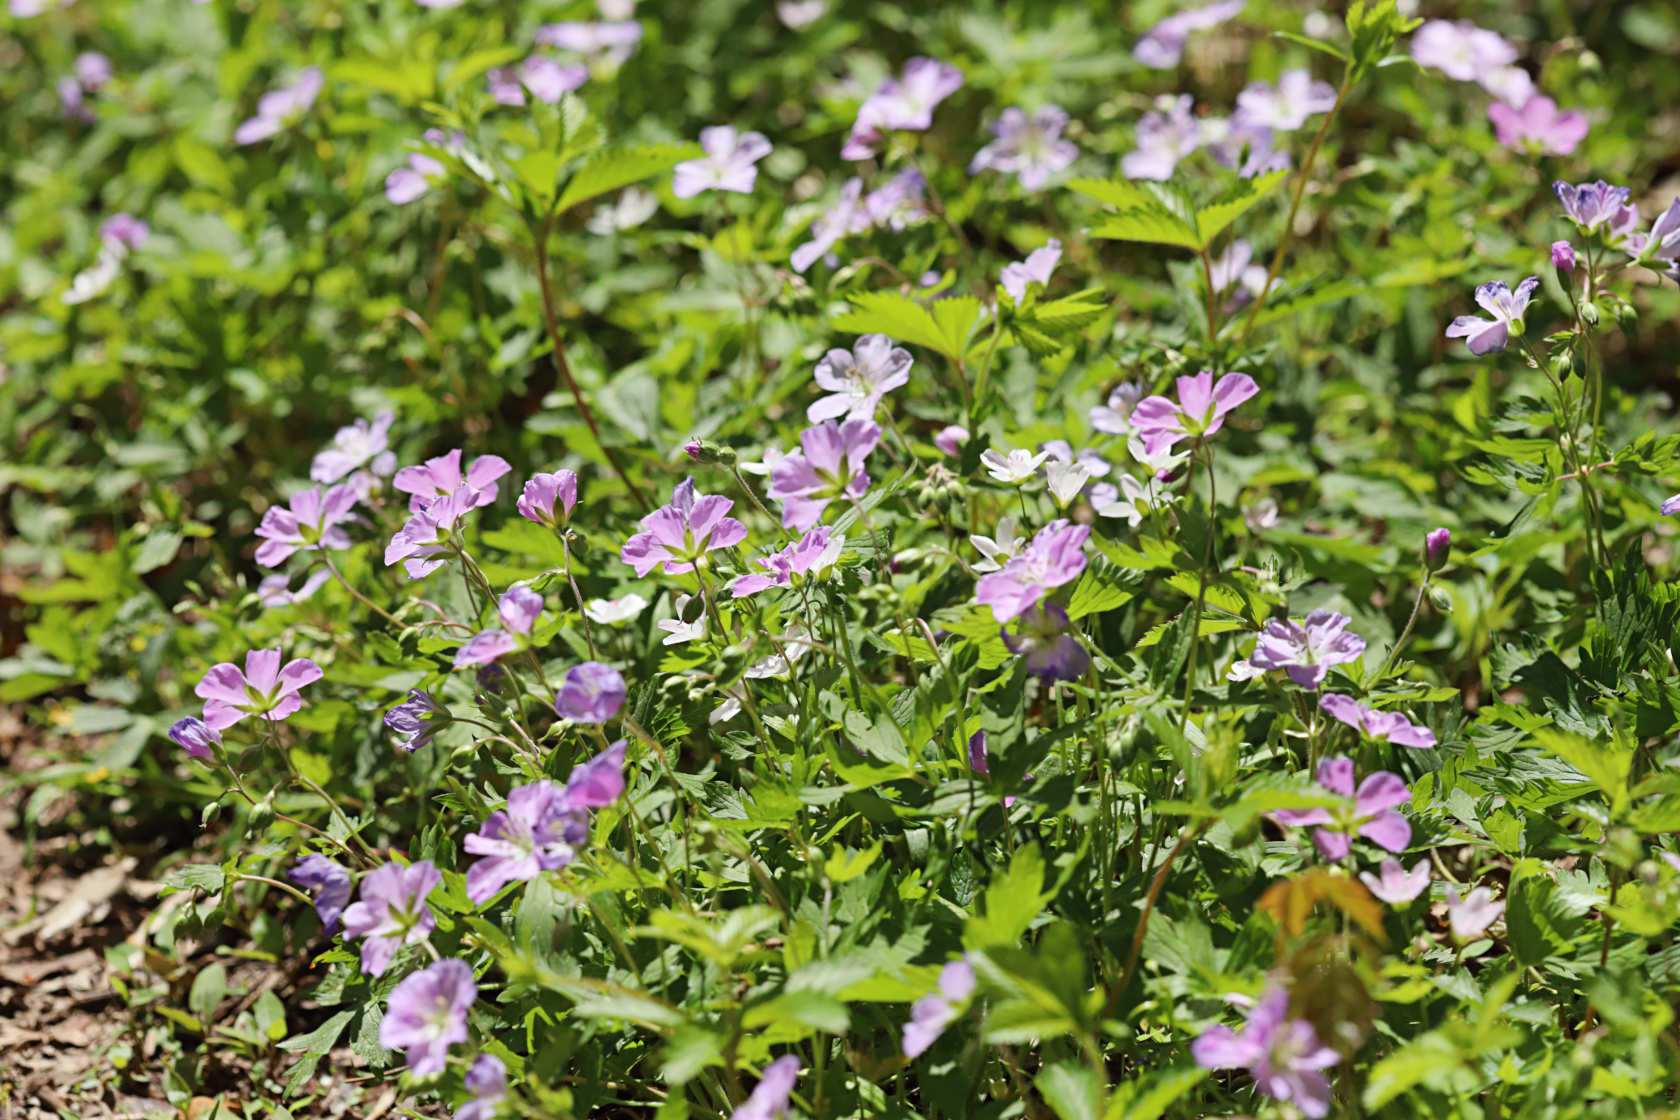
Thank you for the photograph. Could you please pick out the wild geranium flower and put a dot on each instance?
(1037, 268)
(1471, 915)
(679, 632)
(1041, 639)
(548, 499)
(1162, 46)
(1307, 649)
(1244, 145)
(1592, 206)
(1437, 544)
(1490, 336)
(1287, 105)
(195, 737)
(812, 554)
(549, 80)
(1371, 815)
(1234, 271)
(1283, 1055)
(1262, 515)
(610, 612)
(1165, 135)
(416, 720)
(897, 204)
(1661, 244)
(264, 689)
(1396, 885)
(633, 207)
(679, 534)
(905, 104)
(1200, 412)
(427, 1015)
(1013, 467)
(608, 43)
(591, 693)
(519, 607)
(329, 881)
(1538, 126)
(442, 476)
(997, 551)
(600, 781)
(797, 14)
(930, 1015)
(125, 230)
(361, 444)
(829, 465)
(392, 911)
(847, 216)
(1055, 557)
(1131, 500)
(1563, 257)
(730, 163)
(420, 543)
(1509, 84)
(1065, 480)
(539, 830)
(1461, 50)
(276, 590)
(1030, 148)
(857, 380)
(308, 524)
(769, 1098)
(1115, 416)
(486, 1080)
(950, 439)
(412, 180)
(280, 109)
(1670, 506)
(1384, 727)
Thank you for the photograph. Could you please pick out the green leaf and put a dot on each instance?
(1334, 52)
(612, 170)
(844, 865)
(1153, 213)
(1011, 902)
(1071, 1090)
(208, 989)
(1211, 221)
(1100, 589)
(1149, 1097)
(880, 739)
(945, 329)
(157, 549)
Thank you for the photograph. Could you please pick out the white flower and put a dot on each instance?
(1243, 670)
(790, 648)
(634, 206)
(1132, 501)
(1166, 461)
(1066, 480)
(609, 612)
(998, 551)
(725, 711)
(1013, 468)
(90, 282)
(772, 456)
(676, 630)
(1260, 516)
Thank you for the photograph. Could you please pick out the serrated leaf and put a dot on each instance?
(609, 171)
(945, 329)
(1071, 1090)
(1212, 220)
(1150, 1097)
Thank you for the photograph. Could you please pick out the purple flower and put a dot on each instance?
(977, 760)
(361, 444)
(905, 104)
(828, 466)
(950, 439)
(1470, 916)
(730, 163)
(814, 552)
(679, 534)
(1200, 411)
(486, 1080)
(1538, 126)
(1162, 46)
(1165, 135)
(309, 523)
(1489, 336)
(897, 204)
(329, 881)
(1371, 815)
(440, 476)
(769, 1098)
(1662, 243)
(930, 1015)
(1396, 885)
(847, 216)
(1437, 544)
(610, 43)
(1461, 50)
(1041, 638)
(1592, 205)
(1030, 148)
(549, 80)
(392, 911)
(195, 737)
(409, 182)
(1283, 1055)
(275, 590)
(856, 381)
(1308, 648)
(1054, 557)
(428, 1014)
(591, 693)
(1509, 84)
(1287, 105)
(281, 108)
(1233, 269)
(416, 720)
(519, 608)
(543, 492)
(1563, 256)
(1670, 506)
(264, 689)
(1384, 727)
(92, 70)
(419, 544)
(600, 781)
(1244, 145)
(539, 830)
(1115, 416)
(72, 100)
(124, 230)
(1036, 269)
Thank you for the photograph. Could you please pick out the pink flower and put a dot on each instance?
(730, 163)
(828, 466)
(856, 380)
(950, 439)
(1283, 1055)
(930, 1015)
(1538, 126)
(678, 534)
(905, 104)
(1371, 815)
(1036, 269)
(281, 108)
(848, 215)
(264, 689)
(816, 551)
(421, 542)
(1162, 46)
(1461, 50)
(442, 475)
(1200, 411)
(519, 609)
(1054, 557)
(405, 184)
(1396, 885)
(1384, 727)
(548, 499)
(309, 523)
(1470, 916)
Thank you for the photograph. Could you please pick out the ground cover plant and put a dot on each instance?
(839, 559)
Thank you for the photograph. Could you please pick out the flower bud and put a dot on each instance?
(1589, 312)
(1439, 599)
(1563, 256)
(704, 451)
(1437, 543)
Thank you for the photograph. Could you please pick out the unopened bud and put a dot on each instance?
(704, 451)
(1589, 312)
(1437, 543)
(1563, 256)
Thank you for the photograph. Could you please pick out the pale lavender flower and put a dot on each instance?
(1370, 815)
(679, 534)
(904, 104)
(608, 43)
(72, 100)
(428, 1014)
(1660, 244)
(1036, 269)
(1114, 417)
(195, 737)
(591, 693)
(1490, 336)
(1307, 649)
(1165, 135)
(411, 181)
(1538, 126)
(92, 70)
(1244, 145)
(281, 108)
(1471, 915)
(1563, 256)
(308, 524)
(1030, 148)
(361, 444)
(548, 499)
(1594, 205)
(1283, 1055)
(1461, 50)
(1509, 84)
(1234, 269)
(264, 689)
(813, 554)
(1200, 412)
(1384, 727)
(1130, 500)
(856, 380)
(420, 543)
(539, 830)
(769, 1098)
(1670, 506)
(829, 465)
(950, 439)
(550, 80)
(610, 612)
(329, 881)
(392, 911)
(275, 590)
(486, 1080)
(1395, 885)
(898, 203)
(1054, 557)
(1287, 105)
(504, 86)
(930, 1015)
(416, 720)
(798, 14)
(442, 476)
(847, 216)
(1041, 639)
(124, 230)
(730, 163)
(1162, 46)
